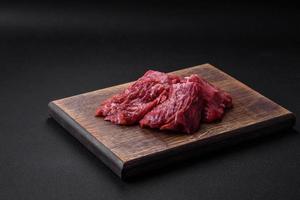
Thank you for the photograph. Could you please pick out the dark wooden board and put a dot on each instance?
(131, 150)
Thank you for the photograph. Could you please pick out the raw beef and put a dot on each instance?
(215, 100)
(181, 111)
(167, 102)
(138, 99)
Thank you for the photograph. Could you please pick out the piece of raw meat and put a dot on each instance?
(180, 112)
(215, 100)
(138, 99)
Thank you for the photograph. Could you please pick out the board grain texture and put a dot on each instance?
(131, 150)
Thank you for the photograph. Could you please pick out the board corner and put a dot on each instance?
(290, 116)
(102, 152)
(51, 104)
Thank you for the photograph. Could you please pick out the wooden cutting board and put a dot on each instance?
(131, 150)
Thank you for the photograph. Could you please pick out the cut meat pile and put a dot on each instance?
(167, 102)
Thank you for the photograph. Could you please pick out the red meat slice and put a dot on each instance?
(138, 99)
(215, 100)
(180, 112)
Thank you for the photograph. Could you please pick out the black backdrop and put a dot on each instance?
(54, 50)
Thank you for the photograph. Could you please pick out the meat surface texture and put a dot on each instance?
(167, 102)
(138, 99)
(215, 100)
(181, 111)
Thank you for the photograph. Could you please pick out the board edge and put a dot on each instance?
(85, 138)
(133, 167)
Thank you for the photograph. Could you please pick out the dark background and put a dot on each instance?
(54, 50)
